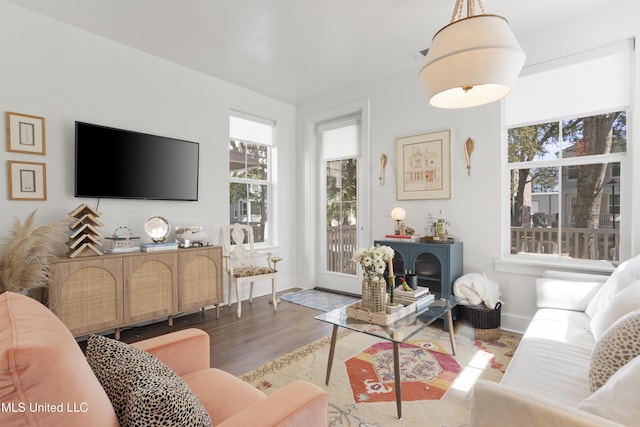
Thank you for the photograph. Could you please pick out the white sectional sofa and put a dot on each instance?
(578, 363)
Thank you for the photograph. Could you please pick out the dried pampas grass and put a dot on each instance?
(26, 253)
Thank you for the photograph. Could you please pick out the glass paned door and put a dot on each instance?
(339, 225)
(341, 213)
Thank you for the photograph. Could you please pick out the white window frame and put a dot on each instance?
(269, 238)
(522, 263)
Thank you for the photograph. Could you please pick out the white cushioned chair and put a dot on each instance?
(240, 262)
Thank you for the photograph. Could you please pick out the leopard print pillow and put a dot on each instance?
(143, 390)
(619, 344)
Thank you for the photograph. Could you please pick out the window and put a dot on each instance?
(250, 151)
(566, 173)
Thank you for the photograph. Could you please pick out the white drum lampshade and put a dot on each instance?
(472, 61)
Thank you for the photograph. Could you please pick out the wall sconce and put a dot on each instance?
(398, 214)
(383, 164)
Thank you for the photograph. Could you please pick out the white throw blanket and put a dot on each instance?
(475, 289)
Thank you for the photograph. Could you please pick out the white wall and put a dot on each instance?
(399, 108)
(65, 74)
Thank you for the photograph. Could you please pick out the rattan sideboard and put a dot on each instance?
(100, 293)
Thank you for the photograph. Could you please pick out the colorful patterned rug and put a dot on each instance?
(475, 359)
(319, 300)
(426, 371)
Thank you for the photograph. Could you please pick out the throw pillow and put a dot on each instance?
(617, 346)
(143, 390)
(565, 294)
(624, 275)
(617, 399)
(625, 301)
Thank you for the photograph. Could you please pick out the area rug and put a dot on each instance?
(446, 407)
(426, 372)
(319, 300)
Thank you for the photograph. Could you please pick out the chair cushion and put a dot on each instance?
(617, 346)
(41, 364)
(252, 271)
(142, 389)
(235, 395)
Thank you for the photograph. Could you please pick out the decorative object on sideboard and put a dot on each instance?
(483, 52)
(26, 253)
(383, 165)
(83, 233)
(190, 236)
(423, 166)
(157, 228)
(122, 241)
(398, 215)
(27, 180)
(25, 133)
(438, 227)
(469, 145)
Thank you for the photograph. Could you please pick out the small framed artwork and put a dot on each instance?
(25, 133)
(423, 166)
(27, 181)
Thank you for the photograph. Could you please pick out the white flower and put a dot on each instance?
(374, 260)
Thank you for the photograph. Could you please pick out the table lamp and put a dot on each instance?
(398, 214)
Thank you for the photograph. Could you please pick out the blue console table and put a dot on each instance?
(437, 265)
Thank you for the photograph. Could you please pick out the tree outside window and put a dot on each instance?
(249, 181)
(565, 186)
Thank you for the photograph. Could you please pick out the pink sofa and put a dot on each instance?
(45, 379)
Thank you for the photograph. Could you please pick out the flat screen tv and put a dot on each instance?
(122, 164)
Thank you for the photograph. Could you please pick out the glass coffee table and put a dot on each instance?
(397, 332)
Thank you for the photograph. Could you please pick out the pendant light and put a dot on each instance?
(472, 61)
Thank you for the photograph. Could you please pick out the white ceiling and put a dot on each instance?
(292, 50)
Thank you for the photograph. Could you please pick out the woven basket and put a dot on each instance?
(481, 317)
(374, 294)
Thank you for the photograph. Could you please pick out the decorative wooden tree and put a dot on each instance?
(83, 234)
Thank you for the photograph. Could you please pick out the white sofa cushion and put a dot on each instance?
(624, 275)
(553, 357)
(618, 398)
(617, 346)
(565, 294)
(625, 301)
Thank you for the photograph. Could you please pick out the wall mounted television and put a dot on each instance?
(122, 164)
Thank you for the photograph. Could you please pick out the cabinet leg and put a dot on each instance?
(117, 334)
(170, 320)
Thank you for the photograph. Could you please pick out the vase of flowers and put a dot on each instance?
(374, 261)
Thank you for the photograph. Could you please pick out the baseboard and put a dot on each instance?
(513, 323)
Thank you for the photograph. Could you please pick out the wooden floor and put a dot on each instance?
(240, 345)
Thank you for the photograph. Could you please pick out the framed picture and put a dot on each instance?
(423, 166)
(25, 134)
(27, 181)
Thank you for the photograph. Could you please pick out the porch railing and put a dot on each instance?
(341, 244)
(541, 240)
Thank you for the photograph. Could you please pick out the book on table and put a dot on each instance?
(402, 237)
(422, 299)
(413, 293)
(154, 247)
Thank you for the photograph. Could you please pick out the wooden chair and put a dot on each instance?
(240, 262)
